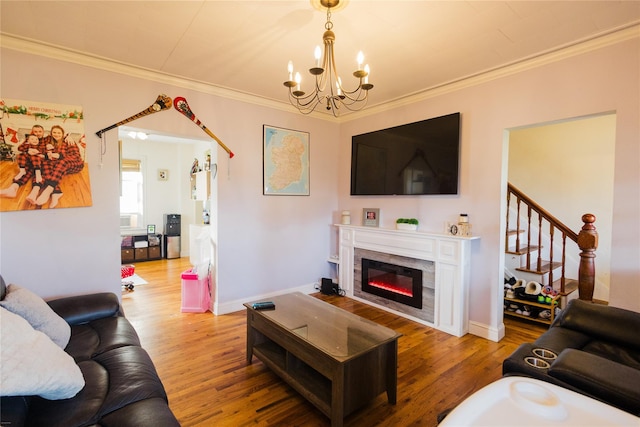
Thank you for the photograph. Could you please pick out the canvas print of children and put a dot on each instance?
(47, 169)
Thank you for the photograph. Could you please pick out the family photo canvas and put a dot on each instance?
(42, 156)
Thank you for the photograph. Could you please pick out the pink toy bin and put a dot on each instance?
(195, 293)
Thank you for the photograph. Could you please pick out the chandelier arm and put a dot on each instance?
(304, 107)
(304, 101)
(321, 82)
(335, 76)
(328, 62)
(359, 105)
(358, 94)
(348, 103)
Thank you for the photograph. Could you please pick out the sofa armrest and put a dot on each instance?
(13, 410)
(603, 379)
(601, 322)
(85, 308)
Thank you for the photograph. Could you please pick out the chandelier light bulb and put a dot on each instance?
(366, 70)
(317, 54)
(290, 70)
(360, 60)
(298, 80)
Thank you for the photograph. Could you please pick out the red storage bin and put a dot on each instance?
(127, 271)
(195, 293)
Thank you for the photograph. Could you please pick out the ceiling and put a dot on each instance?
(411, 46)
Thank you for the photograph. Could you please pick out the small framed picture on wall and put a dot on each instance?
(371, 217)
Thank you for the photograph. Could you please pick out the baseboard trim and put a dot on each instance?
(486, 331)
(237, 305)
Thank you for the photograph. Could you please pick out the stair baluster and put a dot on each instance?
(551, 234)
(586, 240)
(529, 210)
(539, 259)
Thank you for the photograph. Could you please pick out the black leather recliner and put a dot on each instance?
(597, 353)
(122, 387)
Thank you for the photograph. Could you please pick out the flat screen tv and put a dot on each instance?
(420, 158)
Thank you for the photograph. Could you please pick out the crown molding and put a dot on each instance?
(559, 53)
(38, 48)
(578, 47)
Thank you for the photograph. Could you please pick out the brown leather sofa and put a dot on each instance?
(597, 353)
(122, 387)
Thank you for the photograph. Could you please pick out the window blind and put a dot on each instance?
(130, 165)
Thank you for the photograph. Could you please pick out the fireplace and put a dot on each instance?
(403, 289)
(394, 282)
(444, 296)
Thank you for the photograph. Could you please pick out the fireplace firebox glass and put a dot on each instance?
(394, 282)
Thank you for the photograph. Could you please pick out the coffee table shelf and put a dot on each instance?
(336, 360)
(304, 379)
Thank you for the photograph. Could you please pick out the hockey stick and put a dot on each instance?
(181, 105)
(163, 102)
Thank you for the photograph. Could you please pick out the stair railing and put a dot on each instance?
(586, 240)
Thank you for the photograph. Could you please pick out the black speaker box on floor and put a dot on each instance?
(326, 287)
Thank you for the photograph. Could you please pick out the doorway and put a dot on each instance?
(568, 168)
(164, 163)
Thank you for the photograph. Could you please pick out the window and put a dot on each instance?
(131, 194)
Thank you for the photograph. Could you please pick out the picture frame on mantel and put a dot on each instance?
(371, 217)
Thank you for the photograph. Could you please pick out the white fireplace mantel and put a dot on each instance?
(450, 255)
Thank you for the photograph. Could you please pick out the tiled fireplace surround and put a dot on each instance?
(444, 260)
(428, 282)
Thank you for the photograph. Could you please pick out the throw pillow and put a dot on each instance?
(32, 364)
(37, 312)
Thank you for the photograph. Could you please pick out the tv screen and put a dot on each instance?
(416, 158)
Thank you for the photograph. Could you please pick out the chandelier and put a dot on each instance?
(328, 90)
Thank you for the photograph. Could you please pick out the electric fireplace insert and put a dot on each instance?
(394, 282)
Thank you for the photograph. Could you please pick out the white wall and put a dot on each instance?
(270, 243)
(265, 243)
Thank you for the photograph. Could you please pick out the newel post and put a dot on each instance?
(588, 243)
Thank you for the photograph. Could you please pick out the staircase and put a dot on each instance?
(540, 248)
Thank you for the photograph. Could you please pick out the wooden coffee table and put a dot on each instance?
(336, 360)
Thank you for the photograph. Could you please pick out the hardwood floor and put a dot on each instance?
(201, 360)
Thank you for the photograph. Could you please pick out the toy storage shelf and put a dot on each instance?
(551, 307)
(144, 247)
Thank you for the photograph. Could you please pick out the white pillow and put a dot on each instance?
(31, 364)
(34, 310)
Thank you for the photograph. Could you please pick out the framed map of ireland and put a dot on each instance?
(285, 162)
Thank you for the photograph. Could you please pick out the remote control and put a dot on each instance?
(267, 305)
